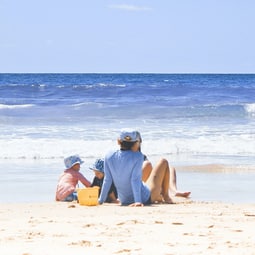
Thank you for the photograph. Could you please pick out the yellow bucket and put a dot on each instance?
(88, 196)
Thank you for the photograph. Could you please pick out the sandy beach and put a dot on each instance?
(186, 227)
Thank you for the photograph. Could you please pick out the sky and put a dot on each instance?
(125, 36)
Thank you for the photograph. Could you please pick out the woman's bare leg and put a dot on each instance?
(158, 182)
(173, 185)
(146, 170)
(165, 182)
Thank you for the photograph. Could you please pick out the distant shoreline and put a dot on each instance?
(218, 168)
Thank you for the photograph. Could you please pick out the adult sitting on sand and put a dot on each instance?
(162, 164)
(68, 180)
(124, 168)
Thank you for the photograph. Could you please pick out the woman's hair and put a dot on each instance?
(139, 136)
(124, 145)
(140, 139)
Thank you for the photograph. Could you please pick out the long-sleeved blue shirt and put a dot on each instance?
(124, 169)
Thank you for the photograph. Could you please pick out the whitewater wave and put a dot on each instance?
(250, 109)
(4, 106)
(174, 149)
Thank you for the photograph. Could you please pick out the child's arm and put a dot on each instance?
(83, 180)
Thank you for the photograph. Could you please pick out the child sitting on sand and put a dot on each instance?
(98, 168)
(68, 180)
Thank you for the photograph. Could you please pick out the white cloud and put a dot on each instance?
(127, 7)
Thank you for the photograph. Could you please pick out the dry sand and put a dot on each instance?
(186, 227)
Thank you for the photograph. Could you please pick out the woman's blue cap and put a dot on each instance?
(128, 135)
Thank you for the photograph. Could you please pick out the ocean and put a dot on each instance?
(190, 119)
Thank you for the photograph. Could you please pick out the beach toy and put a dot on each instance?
(88, 196)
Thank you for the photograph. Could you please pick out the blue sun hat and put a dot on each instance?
(98, 165)
(72, 160)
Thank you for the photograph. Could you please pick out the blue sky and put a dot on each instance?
(142, 36)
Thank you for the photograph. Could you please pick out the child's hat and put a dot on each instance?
(72, 160)
(98, 165)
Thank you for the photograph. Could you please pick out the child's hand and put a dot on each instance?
(116, 201)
